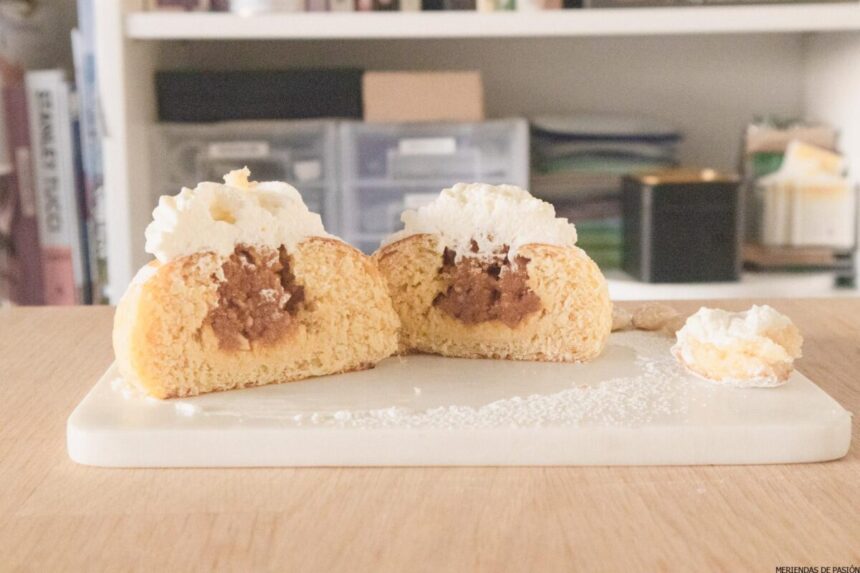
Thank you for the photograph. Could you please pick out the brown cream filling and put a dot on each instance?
(480, 290)
(257, 300)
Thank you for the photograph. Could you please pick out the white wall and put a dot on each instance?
(710, 86)
(832, 82)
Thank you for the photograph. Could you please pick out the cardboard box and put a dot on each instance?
(423, 96)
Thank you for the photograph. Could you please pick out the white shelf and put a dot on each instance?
(751, 285)
(462, 24)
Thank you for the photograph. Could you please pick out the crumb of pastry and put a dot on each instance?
(653, 316)
(622, 319)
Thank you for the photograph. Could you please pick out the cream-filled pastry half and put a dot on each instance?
(247, 289)
(490, 272)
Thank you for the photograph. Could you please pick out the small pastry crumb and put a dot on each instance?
(621, 318)
(653, 316)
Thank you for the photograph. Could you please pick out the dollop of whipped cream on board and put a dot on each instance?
(493, 216)
(724, 328)
(215, 217)
(755, 345)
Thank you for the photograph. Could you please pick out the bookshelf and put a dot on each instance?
(707, 69)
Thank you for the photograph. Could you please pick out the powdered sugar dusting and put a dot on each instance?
(651, 386)
(621, 401)
(130, 391)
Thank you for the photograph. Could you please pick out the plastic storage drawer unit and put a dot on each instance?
(386, 168)
(302, 153)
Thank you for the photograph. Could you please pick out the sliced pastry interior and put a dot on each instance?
(247, 289)
(756, 347)
(490, 272)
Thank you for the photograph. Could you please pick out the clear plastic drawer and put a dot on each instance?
(386, 168)
(302, 153)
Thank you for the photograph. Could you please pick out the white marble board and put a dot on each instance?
(632, 406)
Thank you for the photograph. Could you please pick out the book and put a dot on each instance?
(459, 4)
(697, 3)
(48, 104)
(342, 5)
(8, 273)
(86, 295)
(179, 5)
(25, 227)
(83, 51)
(205, 96)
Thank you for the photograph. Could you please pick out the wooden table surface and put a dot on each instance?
(56, 515)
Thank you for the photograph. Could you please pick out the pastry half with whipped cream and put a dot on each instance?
(490, 272)
(746, 349)
(247, 289)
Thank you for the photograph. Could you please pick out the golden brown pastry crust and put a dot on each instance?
(572, 325)
(164, 345)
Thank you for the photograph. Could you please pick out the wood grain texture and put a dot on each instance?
(56, 515)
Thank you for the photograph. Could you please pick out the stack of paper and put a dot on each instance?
(578, 162)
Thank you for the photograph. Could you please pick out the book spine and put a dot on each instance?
(83, 50)
(56, 197)
(179, 5)
(459, 4)
(316, 6)
(9, 274)
(25, 230)
(81, 203)
(342, 5)
(410, 5)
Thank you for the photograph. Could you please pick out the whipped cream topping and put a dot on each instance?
(216, 217)
(490, 215)
(724, 328)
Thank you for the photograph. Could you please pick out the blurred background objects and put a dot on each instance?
(702, 151)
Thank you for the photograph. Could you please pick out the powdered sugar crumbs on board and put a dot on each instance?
(657, 389)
